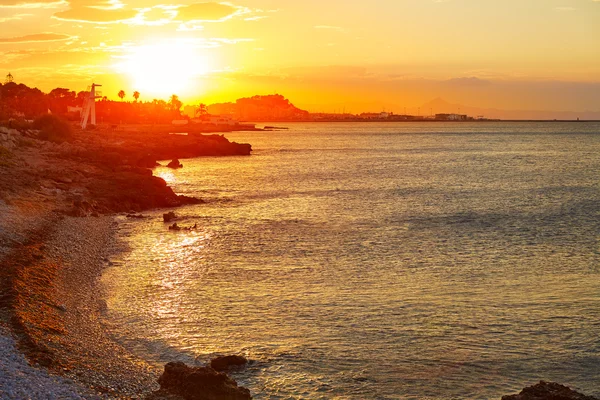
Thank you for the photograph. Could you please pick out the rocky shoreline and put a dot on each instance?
(57, 230)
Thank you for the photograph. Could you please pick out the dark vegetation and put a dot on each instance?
(18, 101)
(52, 128)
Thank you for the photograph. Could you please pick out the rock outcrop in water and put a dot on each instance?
(169, 217)
(175, 164)
(103, 171)
(548, 391)
(224, 363)
(197, 383)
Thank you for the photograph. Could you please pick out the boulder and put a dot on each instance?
(170, 216)
(200, 383)
(175, 164)
(548, 391)
(223, 363)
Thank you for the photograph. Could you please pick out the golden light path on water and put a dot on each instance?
(377, 261)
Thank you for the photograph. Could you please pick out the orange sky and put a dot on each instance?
(323, 55)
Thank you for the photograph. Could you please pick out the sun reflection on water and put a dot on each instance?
(167, 175)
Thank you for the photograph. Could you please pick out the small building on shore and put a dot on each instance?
(451, 117)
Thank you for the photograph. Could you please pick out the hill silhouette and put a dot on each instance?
(273, 107)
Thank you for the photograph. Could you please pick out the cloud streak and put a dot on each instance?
(31, 4)
(40, 37)
(208, 12)
(98, 13)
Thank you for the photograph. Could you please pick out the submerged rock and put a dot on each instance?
(199, 383)
(548, 391)
(135, 216)
(225, 362)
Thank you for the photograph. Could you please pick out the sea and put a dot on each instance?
(376, 261)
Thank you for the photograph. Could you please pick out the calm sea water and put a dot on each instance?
(378, 261)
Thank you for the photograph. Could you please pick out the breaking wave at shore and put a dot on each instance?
(462, 263)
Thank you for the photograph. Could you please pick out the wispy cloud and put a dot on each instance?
(40, 37)
(156, 16)
(32, 4)
(209, 12)
(16, 17)
(256, 18)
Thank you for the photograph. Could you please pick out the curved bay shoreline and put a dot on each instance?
(54, 245)
(57, 230)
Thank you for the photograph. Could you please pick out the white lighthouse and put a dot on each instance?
(89, 107)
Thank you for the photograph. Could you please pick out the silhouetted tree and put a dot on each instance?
(60, 99)
(136, 95)
(175, 103)
(201, 110)
(121, 94)
(81, 96)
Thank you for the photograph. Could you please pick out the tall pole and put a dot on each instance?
(90, 108)
(93, 106)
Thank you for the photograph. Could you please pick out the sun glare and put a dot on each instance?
(164, 68)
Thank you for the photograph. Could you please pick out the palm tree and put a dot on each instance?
(202, 110)
(136, 95)
(121, 94)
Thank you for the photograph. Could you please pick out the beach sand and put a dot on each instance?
(55, 309)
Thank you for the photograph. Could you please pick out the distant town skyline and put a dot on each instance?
(324, 56)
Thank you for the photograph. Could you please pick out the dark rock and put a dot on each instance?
(200, 383)
(189, 200)
(147, 161)
(175, 164)
(548, 391)
(175, 227)
(170, 216)
(223, 363)
(82, 209)
(135, 216)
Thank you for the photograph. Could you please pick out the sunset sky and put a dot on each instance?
(323, 55)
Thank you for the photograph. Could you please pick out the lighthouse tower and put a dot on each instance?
(89, 107)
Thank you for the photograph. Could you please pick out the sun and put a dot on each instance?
(164, 68)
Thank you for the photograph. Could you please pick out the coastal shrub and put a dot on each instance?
(24, 142)
(5, 157)
(53, 128)
(18, 124)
